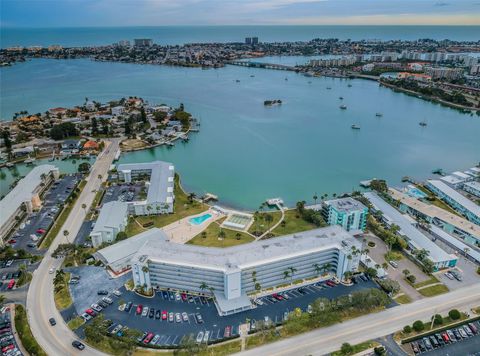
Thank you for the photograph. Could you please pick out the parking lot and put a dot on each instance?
(8, 343)
(123, 192)
(10, 271)
(171, 331)
(461, 340)
(465, 267)
(38, 223)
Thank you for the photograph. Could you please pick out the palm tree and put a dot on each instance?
(292, 271)
(286, 274)
(203, 286)
(385, 265)
(66, 233)
(326, 267)
(406, 272)
(204, 234)
(315, 197)
(191, 197)
(238, 235)
(317, 268)
(222, 234)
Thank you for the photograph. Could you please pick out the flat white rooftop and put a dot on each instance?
(456, 196)
(415, 237)
(23, 191)
(112, 215)
(250, 254)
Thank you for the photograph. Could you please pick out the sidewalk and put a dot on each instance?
(14, 330)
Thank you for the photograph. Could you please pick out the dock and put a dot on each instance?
(274, 202)
(209, 197)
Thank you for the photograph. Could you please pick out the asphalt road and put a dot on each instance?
(371, 326)
(57, 340)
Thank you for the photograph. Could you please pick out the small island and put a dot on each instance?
(272, 102)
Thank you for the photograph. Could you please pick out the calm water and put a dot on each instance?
(246, 152)
(191, 34)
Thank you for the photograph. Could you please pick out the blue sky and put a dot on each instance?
(75, 13)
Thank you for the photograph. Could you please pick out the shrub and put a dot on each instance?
(418, 326)
(411, 278)
(379, 350)
(454, 314)
(346, 348)
(438, 319)
(407, 329)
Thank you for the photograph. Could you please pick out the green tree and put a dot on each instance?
(346, 349)
(418, 326)
(407, 329)
(437, 319)
(454, 314)
(94, 126)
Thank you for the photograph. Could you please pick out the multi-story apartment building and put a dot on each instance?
(112, 219)
(232, 273)
(346, 212)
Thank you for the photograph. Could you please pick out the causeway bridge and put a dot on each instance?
(261, 65)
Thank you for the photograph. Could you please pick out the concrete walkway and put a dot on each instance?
(14, 330)
(182, 231)
(282, 210)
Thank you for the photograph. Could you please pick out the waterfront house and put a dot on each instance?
(90, 145)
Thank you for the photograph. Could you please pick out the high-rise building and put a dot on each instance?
(254, 40)
(346, 212)
(143, 42)
(248, 40)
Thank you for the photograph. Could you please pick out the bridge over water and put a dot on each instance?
(261, 65)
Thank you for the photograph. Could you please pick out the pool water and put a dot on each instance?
(415, 192)
(198, 220)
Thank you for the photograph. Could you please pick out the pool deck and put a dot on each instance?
(182, 231)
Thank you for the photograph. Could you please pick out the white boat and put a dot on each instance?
(355, 127)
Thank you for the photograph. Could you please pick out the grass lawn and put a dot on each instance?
(403, 299)
(57, 225)
(25, 334)
(432, 280)
(261, 225)
(433, 290)
(293, 223)
(223, 349)
(76, 323)
(62, 296)
(437, 202)
(357, 348)
(261, 338)
(211, 238)
(393, 256)
(182, 208)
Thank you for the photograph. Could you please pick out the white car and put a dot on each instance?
(145, 311)
(449, 275)
(200, 337)
(96, 307)
(86, 317)
(185, 317)
(205, 337)
(51, 270)
(178, 318)
(117, 293)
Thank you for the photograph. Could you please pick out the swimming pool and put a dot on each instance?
(414, 192)
(198, 220)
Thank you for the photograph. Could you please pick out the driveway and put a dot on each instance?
(378, 252)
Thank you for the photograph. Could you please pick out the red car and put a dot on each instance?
(139, 309)
(91, 312)
(227, 332)
(184, 297)
(164, 315)
(445, 337)
(330, 284)
(40, 231)
(8, 347)
(12, 241)
(277, 296)
(148, 338)
(11, 284)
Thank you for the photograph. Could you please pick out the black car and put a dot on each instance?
(199, 318)
(17, 274)
(102, 304)
(151, 313)
(128, 307)
(102, 292)
(165, 295)
(52, 321)
(78, 345)
(158, 314)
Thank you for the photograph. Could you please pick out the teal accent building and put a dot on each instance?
(346, 212)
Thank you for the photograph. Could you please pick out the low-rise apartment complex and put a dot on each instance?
(160, 196)
(346, 212)
(25, 197)
(112, 219)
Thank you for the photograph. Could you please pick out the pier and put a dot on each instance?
(261, 65)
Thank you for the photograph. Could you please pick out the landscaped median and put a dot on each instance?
(348, 349)
(25, 334)
(61, 291)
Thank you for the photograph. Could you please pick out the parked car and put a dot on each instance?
(170, 317)
(96, 307)
(128, 307)
(393, 264)
(151, 313)
(200, 337)
(164, 315)
(158, 314)
(148, 338)
(102, 292)
(206, 336)
(184, 297)
(449, 275)
(178, 318)
(117, 293)
(145, 311)
(155, 339)
(473, 328)
(415, 348)
(199, 318)
(185, 317)
(467, 330)
(86, 317)
(139, 309)
(227, 332)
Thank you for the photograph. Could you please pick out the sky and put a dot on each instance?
(97, 13)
